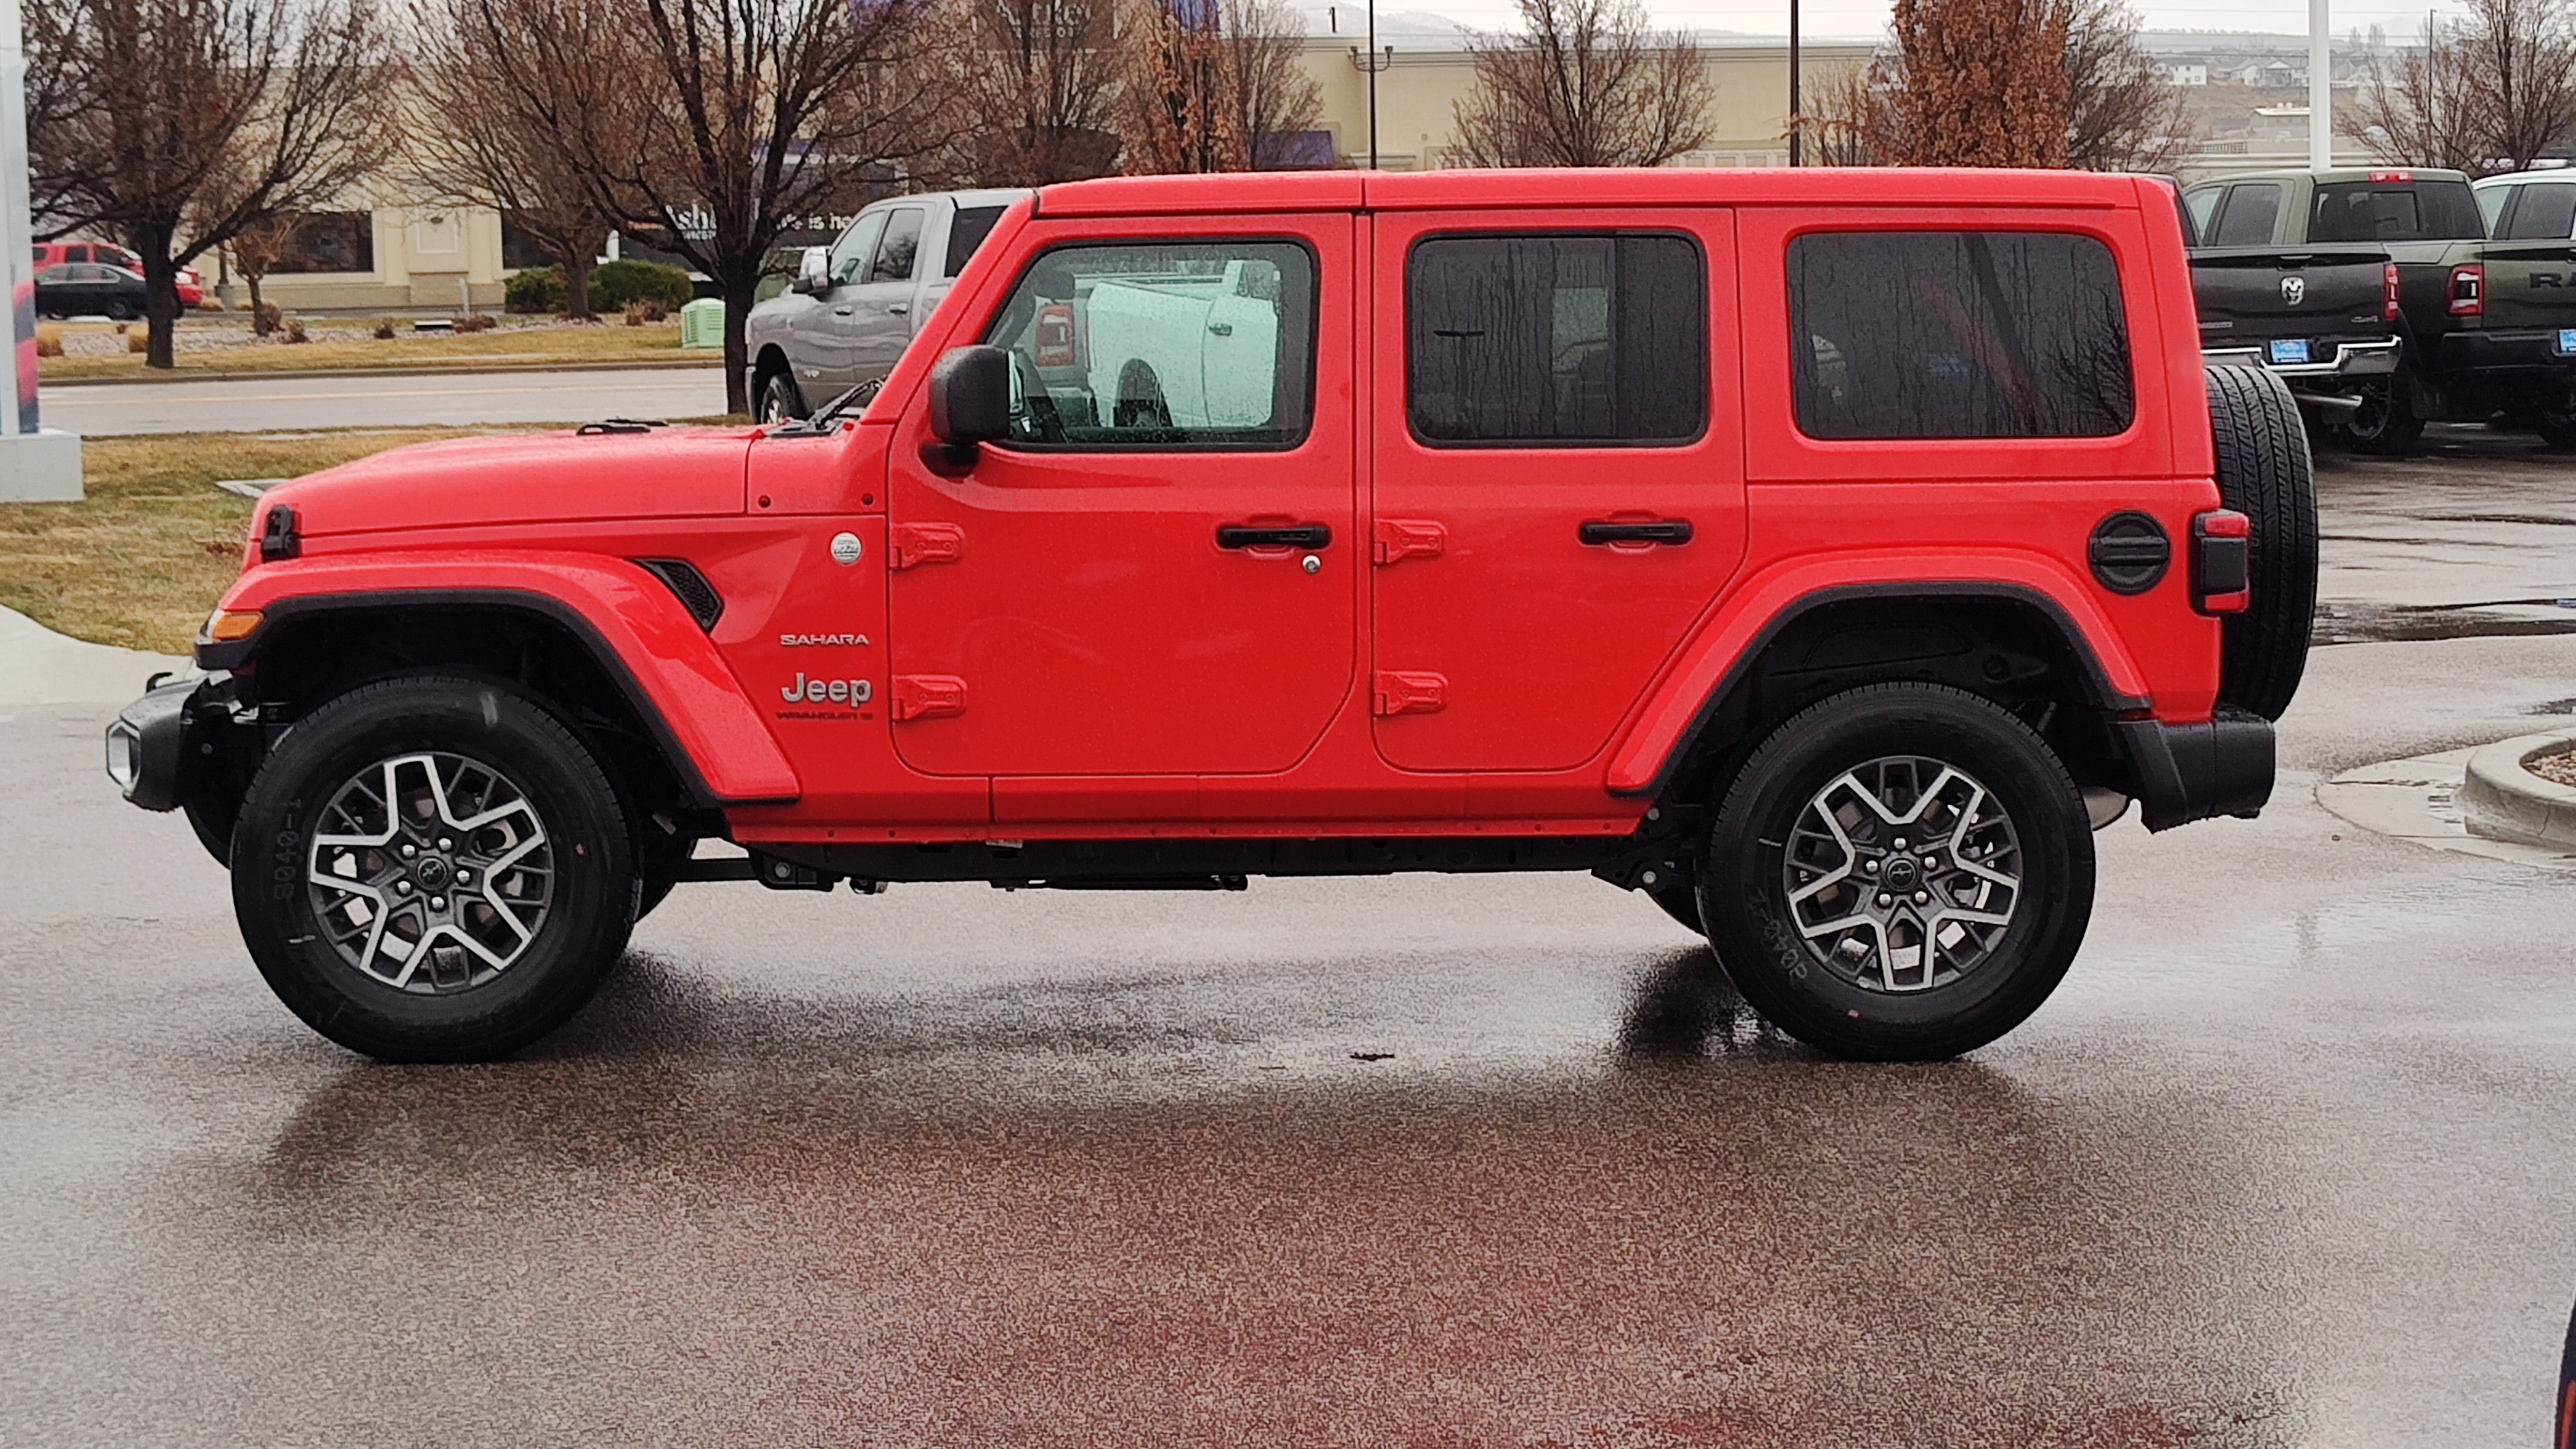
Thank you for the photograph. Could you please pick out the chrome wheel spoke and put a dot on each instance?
(1902, 874)
(430, 872)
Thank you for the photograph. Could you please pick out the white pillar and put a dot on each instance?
(36, 465)
(2320, 88)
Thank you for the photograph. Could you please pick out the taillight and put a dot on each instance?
(2469, 290)
(2221, 542)
(2378, 177)
(2388, 292)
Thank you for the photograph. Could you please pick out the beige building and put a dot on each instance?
(388, 258)
(1429, 72)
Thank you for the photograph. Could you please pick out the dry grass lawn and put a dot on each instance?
(348, 351)
(141, 560)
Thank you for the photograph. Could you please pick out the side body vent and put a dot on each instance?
(694, 592)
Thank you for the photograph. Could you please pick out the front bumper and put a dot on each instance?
(147, 746)
(2187, 772)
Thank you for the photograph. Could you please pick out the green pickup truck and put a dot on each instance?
(2488, 327)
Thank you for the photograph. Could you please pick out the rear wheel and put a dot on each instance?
(1899, 873)
(2386, 425)
(2265, 473)
(433, 869)
(2557, 427)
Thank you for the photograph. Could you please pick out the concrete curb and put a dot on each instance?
(2501, 800)
(435, 369)
(39, 666)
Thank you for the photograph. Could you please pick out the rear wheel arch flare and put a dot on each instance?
(2007, 617)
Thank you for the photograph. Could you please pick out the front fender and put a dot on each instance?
(636, 629)
(1733, 636)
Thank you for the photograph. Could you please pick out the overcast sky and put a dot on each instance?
(1869, 17)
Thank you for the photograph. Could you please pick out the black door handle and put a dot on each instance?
(1674, 531)
(1292, 535)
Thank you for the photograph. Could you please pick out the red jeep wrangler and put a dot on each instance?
(1820, 553)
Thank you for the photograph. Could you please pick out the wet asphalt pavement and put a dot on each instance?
(2286, 1161)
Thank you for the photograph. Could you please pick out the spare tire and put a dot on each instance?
(2264, 473)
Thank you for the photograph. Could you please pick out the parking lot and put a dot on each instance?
(1418, 1161)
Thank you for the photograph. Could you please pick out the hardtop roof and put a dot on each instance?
(1565, 189)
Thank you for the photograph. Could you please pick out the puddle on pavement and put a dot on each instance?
(2344, 621)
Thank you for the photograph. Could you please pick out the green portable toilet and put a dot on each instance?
(702, 323)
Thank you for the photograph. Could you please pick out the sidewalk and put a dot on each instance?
(39, 666)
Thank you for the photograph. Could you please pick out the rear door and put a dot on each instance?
(1559, 484)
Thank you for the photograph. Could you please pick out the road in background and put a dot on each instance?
(375, 400)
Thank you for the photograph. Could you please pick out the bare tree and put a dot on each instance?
(722, 124)
(256, 250)
(473, 145)
(1584, 83)
(1041, 78)
(277, 104)
(2491, 92)
(2120, 114)
(1212, 84)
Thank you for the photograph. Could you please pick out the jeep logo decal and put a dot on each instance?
(2294, 290)
(836, 691)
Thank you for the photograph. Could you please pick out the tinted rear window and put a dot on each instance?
(2545, 211)
(1598, 338)
(966, 233)
(1957, 334)
(2251, 211)
(2385, 211)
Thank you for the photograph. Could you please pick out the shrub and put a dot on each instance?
(49, 340)
(384, 329)
(295, 330)
(614, 284)
(477, 322)
(266, 319)
(537, 289)
(137, 339)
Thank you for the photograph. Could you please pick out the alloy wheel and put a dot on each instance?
(1902, 874)
(430, 872)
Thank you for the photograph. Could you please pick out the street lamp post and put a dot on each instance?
(2320, 89)
(1372, 62)
(1797, 122)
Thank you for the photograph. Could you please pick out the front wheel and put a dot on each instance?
(1900, 873)
(433, 869)
(2557, 427)
(778, 401)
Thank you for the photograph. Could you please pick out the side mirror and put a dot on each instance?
(814, 271)
(970, 399)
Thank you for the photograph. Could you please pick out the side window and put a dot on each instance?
(1566, 339)
(850, 254)
(900, 247)
(2252, 209)
(2546, 212)
(966, 233)
(1957, 334)
(1162, 345)
(76, 254)
(2493, 203)
(2203, 206)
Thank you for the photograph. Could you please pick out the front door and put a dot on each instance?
(1559, 484)
(821, 345)
(879, 319)
(1157, 574)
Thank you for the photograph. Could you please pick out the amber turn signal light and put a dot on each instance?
(223, 626)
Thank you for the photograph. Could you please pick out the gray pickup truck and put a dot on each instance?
(856, 304)
(2488, 329)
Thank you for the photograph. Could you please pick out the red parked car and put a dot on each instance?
(191, 287)
(1824, 554)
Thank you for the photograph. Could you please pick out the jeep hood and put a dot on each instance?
(528, 478)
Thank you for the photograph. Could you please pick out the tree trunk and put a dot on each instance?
(160, 291)
(741, 284)
(577, 282)
(258, 317)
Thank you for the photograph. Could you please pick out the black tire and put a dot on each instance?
(1822, 994)
(2387, 424)
(2557, 428)
(779, 401)
(584, 854)
(2265, 473)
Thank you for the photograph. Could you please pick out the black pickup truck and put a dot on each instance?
(2477, 340)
